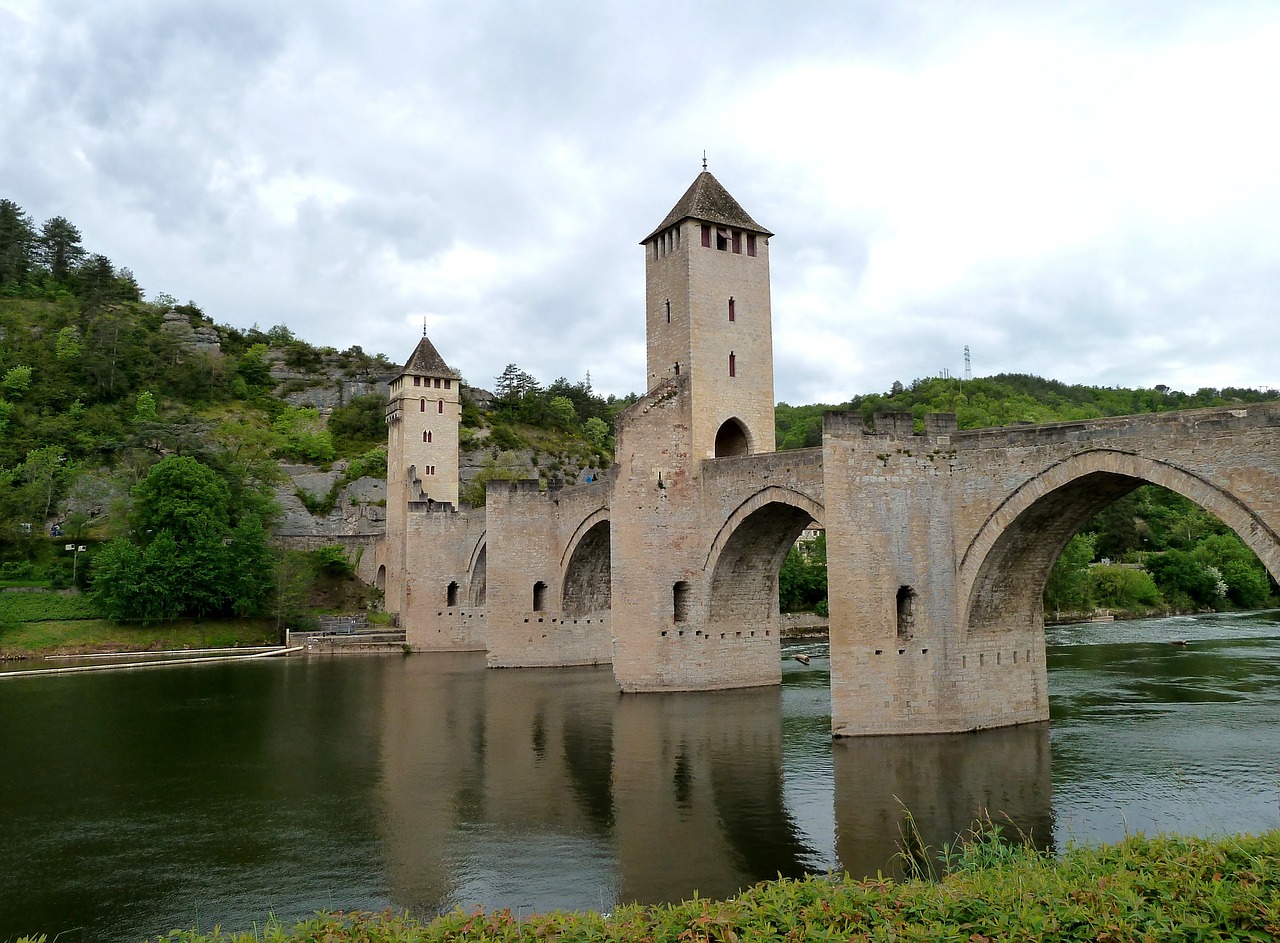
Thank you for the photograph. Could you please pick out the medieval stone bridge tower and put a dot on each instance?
(709, 319)
(939, 541)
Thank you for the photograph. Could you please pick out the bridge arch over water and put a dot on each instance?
(749, 549)
(1004, 569)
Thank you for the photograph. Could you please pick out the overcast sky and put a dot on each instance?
(1084, 191)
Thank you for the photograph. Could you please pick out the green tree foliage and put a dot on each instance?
(1242, 572)
(184, 497)
(1121, 586)
(145, 411)
(1069, 586)
(802, 581)
(597, 431)
(17, 380)
(303, 435)
(17, 242)
(562, 412)
(59, 247)
(185, 557)
(358, 425)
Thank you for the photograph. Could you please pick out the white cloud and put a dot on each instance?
(1077, 190)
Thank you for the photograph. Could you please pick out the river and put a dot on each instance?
(134, 802)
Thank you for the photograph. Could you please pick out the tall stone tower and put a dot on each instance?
(709, 318)
(424, 409)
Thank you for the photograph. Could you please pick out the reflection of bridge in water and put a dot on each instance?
(559, 786)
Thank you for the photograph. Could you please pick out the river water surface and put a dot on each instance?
(134, 802)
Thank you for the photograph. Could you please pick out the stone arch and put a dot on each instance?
(749, 550)
(477, 574)
(380, 580)
(732, 438)
(1004, 569)
(588, 575)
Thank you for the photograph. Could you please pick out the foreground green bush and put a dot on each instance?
(1141, 889)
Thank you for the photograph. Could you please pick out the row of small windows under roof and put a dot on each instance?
(721, 237)
(427, 381)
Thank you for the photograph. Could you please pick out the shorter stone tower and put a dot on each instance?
(424, 409)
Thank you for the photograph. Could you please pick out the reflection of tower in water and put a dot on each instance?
(942, 783)
(698, 790)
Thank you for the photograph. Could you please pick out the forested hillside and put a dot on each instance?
(102, 393)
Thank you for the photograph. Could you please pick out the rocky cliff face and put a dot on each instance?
(192, 334)
(359, 508)
(323, 387)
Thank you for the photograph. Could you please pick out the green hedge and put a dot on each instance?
(44, 607)
(1161, 889)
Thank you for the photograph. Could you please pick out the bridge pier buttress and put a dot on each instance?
(665, 635)
(530, 540)
(900, 662)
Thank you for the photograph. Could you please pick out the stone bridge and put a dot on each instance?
(939, 546)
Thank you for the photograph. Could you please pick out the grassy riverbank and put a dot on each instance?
(81, 636)
(1165, 888)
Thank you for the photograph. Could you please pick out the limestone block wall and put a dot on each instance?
(667, 303)
(432, 595)
(530, 539)
(716, 276)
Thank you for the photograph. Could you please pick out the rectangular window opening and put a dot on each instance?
(733, 365)
(706, 235)
(737, 242)
(733, 311)
(751, 243)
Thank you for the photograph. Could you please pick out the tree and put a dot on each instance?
(1246, 578)
(17, 241)
(597, 431)
(1068, 586)
(562, 412)
(59, 247)
(67, 346)
(44, 469)
(185, 557)
(185, 498)
(514, 383)
(17, 380)
(145, 410)
(303, 435)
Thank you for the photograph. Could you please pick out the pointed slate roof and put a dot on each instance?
(708, 200)
(426, 361)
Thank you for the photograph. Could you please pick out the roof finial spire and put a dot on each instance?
(704, 158)
(424, 326)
